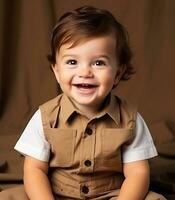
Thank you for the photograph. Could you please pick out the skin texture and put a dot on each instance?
(36, 182)
(87, 73)
(136, 183)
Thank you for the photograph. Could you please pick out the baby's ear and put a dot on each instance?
(55, 71)
(53, 66)
(119, 74)
(121, 71)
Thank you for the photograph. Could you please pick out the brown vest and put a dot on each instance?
(85, 156)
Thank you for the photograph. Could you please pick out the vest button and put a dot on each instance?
(87, 163)
(89, 131)
(85, 189)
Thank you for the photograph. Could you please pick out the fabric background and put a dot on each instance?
(26, 80)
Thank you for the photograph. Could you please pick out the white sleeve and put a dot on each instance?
(32, 141)
(142, 146)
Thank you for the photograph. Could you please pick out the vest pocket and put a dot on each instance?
(112, 139)
(62, 143)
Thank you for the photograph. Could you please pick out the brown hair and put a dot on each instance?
(89, 22)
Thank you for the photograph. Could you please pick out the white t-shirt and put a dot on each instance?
(33, 143)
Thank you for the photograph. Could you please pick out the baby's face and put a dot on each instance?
(87, 72)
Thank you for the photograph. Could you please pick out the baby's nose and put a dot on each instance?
(85, 71)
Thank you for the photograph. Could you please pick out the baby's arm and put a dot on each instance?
(136, 183)
(36, 182)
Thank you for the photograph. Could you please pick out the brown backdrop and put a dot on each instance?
(26, 80)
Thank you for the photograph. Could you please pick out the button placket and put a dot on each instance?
(88, 149)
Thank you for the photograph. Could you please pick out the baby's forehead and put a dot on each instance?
(80, 40)
(104, 46)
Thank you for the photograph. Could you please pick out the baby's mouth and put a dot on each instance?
(85, 85)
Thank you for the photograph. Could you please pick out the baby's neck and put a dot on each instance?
(92, 111)
(89, 112)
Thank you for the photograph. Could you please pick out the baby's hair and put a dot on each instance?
(89, 22)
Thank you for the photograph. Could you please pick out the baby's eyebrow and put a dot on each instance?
(69, 55)
(103, 56)
(93, 57)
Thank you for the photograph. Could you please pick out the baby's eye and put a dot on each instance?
(99, 63)
(71, 62)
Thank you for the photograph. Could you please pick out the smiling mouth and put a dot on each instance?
(85, 86)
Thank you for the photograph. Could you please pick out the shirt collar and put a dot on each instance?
(111, 108)
(67, 108)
